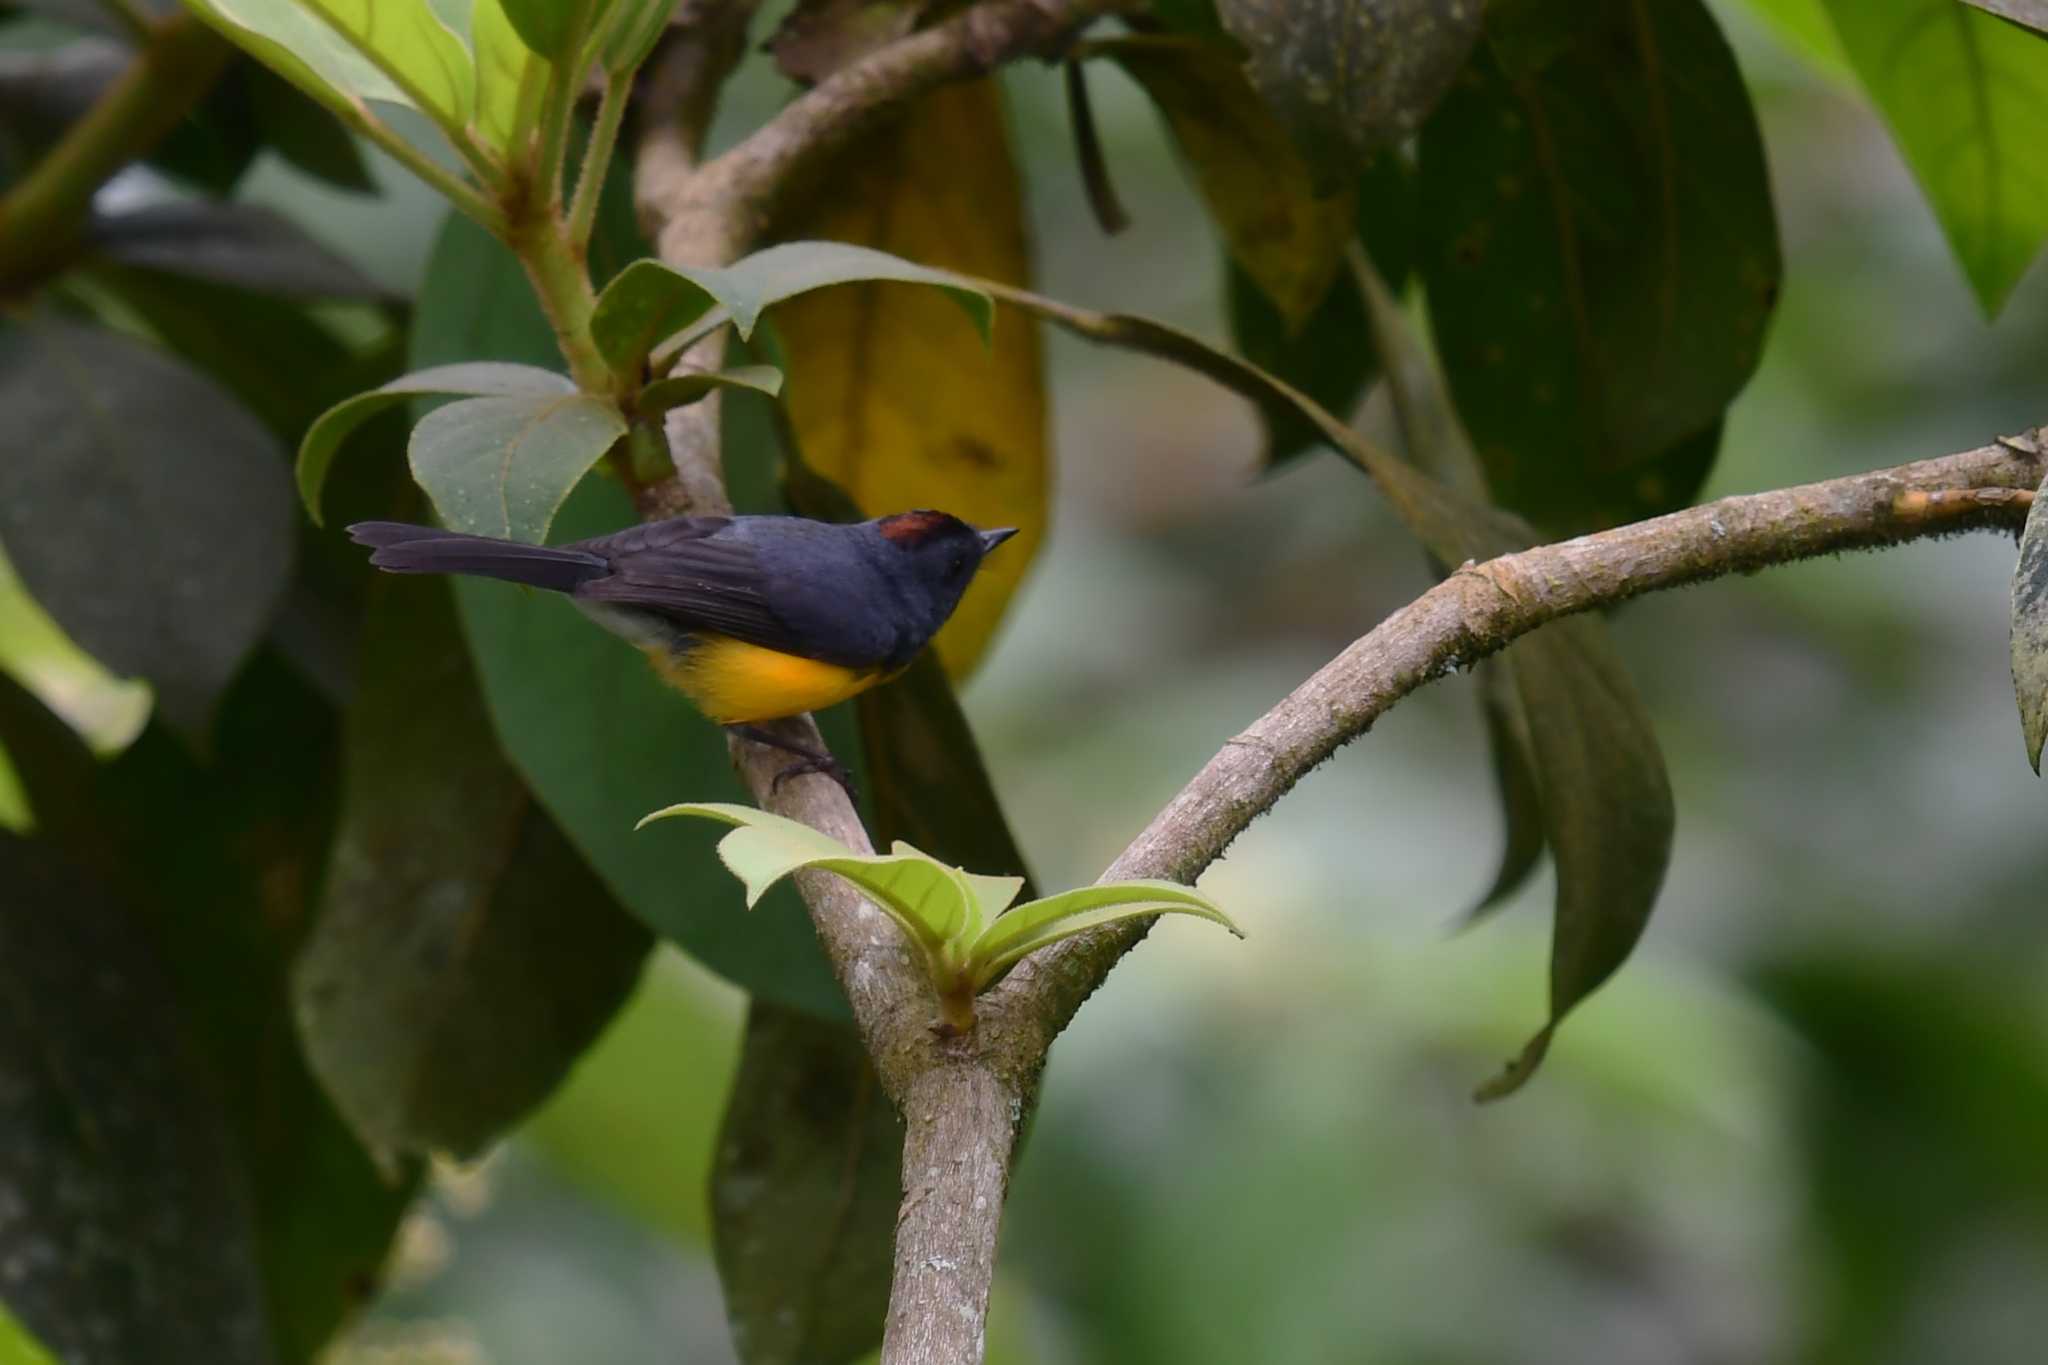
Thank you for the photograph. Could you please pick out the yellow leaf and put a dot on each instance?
(892, 394)
(1255, 181)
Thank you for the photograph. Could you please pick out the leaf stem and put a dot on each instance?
(554, 135)
(597, 159)
(41, 215)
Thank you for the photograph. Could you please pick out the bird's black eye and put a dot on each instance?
(958, 566)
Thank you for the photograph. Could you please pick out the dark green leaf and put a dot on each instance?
(127, 1223)
(217, 861)
(504, 466)
(43, 92)
(1514, 771)
(284, 364)
(804, 1193)
(97, 15)
(1197, 18)
(689, 386)
(644, 304)
(237, 244)
(1607, 811)
(1963, 94)
(326, 436)
(304, 134)
(1349, 78)
(463, 956)
(1601, 257)
(2030, 630)
(151, 516)
(1285, 231)
(601, 742)
(551, 27)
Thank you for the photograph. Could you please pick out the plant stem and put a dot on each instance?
(562, 283)
(597, 159)
(554, 137)
(41, 215)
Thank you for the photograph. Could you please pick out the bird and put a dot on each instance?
(753, 618)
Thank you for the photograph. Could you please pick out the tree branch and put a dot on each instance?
(1480, 609)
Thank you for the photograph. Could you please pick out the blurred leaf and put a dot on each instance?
(218, 861)
(103, 514)
(127, 1224)
(629, 31)
(1257, 185)
(326, 436)
(804, 1193)
(601, 742)
(304, 134)
(283, 364)
(504, 466)
(244, 245)
(889, 396)
(96, 15)
(18, 1346)
(2030, 629)
(1608, 814)
(819, 36)
(1194, 17)
(1349, 78)
(464, 956)
(689, 386)
(1601, 257)
(2032, 13)
(650, 301)
(1330, 357)
(551, 27)
(1963, 94)
(502, 59)
(1804, 27)
(1509, 743)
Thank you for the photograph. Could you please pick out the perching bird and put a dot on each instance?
(751, 618)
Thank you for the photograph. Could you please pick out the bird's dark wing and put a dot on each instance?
(684, 572)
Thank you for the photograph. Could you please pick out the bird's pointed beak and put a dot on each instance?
(991, 539)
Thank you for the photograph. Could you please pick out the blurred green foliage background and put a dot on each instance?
(1804, 1124)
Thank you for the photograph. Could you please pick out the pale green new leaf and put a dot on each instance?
(303, 49)
(1963, 92)
(407, 41)
(502, 62)
(1041, 922)
(325, 437)
(629, 32)
(923, 895)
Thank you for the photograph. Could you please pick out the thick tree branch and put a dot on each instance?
(1481, 608)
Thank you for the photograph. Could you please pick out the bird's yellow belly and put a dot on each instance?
(735, 683)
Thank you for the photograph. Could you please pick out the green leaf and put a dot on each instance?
(503, 59)
(504, 466)
(804, 1193)
(464, 956)
(2030, 630)
(552, 28)
(679, 390)
(1804, 27)
(295, 42)
(128, 1222)
(1607, 812)
(405, 39)
(629, 32)
(1349, 78)
(215, 863)
(927, 899)
(2031, 13)
(134, 451)
(650, 301)
(601, 742)
(1962, 93)
(1602, 257)
(306, 135)
(244, 245)
(1287, 234)
(1037, 923)
(325, 437)
(18, 1346)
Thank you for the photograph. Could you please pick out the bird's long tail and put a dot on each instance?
(403, 548)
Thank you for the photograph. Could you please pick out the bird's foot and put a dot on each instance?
(809, 760)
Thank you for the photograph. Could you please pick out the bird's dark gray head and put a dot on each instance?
(939, 554)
